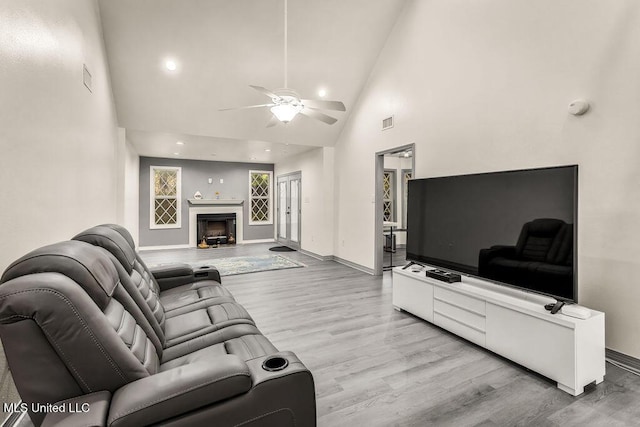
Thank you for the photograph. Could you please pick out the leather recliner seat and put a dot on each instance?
(74, 333)
(200, 308)
(542, 258)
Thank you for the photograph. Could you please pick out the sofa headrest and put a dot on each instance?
(85, 264)
(539, 239)
(110, 239)
(123, 232)
(544, 227)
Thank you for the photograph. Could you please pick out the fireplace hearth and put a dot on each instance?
(216, 229)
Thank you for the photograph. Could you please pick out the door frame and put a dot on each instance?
(378, 221)
(287, 242)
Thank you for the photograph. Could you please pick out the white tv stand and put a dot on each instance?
(511, 323)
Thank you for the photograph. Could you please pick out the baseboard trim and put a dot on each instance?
(315, 255)
(249, 242)
(628, 362)
(155, 248)
(353, 265)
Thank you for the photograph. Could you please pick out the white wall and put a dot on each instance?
(58, 140)
(128, 175)
(317, 197)
(484, 86)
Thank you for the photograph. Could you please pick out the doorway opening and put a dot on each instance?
(394, 168)
(289, 210)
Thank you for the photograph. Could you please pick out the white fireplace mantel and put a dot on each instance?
(215, 202)
(215, 208)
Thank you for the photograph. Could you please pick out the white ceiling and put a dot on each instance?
(223, 46)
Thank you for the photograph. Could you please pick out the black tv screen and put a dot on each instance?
(514, 227)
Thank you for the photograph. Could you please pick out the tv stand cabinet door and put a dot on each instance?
(413, 295)
(545, 347)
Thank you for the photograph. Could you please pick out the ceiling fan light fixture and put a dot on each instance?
(285, 112)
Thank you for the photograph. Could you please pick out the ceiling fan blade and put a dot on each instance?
(248, 106)
(265, 91)
(325, 105)
(318, 116)
(272, 122)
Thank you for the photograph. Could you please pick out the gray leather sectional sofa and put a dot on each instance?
(100, 340)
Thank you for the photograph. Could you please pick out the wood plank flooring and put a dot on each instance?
(374, 366)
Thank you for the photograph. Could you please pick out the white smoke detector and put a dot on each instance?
(578, 107)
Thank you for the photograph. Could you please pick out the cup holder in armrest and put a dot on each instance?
(275, 363)
(202, 271)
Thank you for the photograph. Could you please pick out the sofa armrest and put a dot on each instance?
(173, 275)
(177, 391)
(88, 410)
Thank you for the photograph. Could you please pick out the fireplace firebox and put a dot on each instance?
(216, 229)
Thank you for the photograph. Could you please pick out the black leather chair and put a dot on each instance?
(542, 259)
(75, 333)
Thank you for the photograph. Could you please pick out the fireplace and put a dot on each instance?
(216, 229)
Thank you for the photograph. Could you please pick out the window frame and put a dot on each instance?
(152, 198)
(269, 221)
(394, 196)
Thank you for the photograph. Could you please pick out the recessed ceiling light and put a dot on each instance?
(253, 158)
(267, 149)
(177, 154)
(171, 65)
(180, 143)
(322, 93)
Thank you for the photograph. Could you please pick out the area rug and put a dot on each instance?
(248, 264)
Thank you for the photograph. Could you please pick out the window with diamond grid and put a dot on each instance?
(260, 197)
(388, 195)
(165, 197)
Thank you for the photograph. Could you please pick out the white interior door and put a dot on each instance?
(289, 210)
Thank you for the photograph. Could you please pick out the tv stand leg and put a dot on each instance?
(571, 391)
(599, 380)
(397, 308)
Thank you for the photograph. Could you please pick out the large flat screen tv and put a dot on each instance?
(516, 228)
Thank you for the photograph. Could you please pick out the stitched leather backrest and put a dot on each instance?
(64, 325)
(138, 281)
(537, 238)
(564, 244)
(142, 267)
(144, 283)
(123, 232)
(112, 241)
(79, 261)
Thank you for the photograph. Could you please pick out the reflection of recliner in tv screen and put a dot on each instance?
(541, 260)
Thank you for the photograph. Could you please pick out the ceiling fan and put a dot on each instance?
(286, 103)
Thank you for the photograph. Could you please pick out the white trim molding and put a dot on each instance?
(193, 220)
(271, 198)
(152, 198)
(246, 242)
(163, 247)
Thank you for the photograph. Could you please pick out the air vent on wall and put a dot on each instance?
(387, 123)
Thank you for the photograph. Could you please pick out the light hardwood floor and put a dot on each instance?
(374, 366)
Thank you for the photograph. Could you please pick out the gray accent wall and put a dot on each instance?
(195, 175)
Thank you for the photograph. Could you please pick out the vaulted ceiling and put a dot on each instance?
(220, 48)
